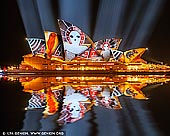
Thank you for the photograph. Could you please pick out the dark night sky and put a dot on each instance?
(14, 44)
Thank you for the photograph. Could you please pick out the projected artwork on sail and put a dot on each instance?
(53, 45)
(90, 54)
(134, 55)
(36, 45)
(74, 39)
(112, 43)
(104, 47)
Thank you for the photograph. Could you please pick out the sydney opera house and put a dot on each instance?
(74, 50)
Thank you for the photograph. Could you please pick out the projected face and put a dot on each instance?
(75, 37)
(106, 46)
(75, 109)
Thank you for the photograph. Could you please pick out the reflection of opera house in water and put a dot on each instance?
(74, 50)
(72, 97)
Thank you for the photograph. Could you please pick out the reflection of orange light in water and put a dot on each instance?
(133, 90)
(52, 104)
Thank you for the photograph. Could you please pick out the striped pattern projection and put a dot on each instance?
(36, 45)
(116, 54)
(116, 92)
(36, 101)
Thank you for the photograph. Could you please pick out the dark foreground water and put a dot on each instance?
(85, 108)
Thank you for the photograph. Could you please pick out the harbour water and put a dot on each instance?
(86, 106)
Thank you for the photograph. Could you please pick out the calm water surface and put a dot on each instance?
(86, 106)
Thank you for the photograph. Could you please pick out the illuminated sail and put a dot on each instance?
(116, 55)
(89, 53)
(36, 45)
(104, 47)
(112, 43)
(134, 55)
(74, 39)
(53, 48)
(58, 52)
